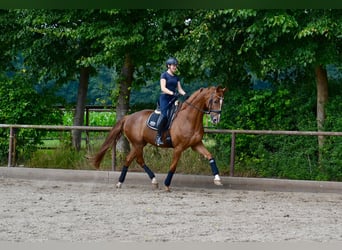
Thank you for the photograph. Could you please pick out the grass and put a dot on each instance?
(158, 159)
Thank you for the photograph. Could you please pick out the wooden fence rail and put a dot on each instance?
(233, 133)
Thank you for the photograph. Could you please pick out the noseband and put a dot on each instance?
(211, 103)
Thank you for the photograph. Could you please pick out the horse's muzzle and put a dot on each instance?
(215, 119)
(215, 116)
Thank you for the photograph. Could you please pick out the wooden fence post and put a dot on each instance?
(232, 155)
(10, 147)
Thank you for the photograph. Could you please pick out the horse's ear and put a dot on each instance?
(219, 88)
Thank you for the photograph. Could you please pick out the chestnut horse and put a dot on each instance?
(186, 131)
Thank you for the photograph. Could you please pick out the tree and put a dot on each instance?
(54, 51)
(9, 30)
(61, 44)
(308, 39)
(136, 42)
(267, 42)
(211, 41)
(21, 101)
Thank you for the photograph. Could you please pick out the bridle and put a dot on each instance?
(210, 105)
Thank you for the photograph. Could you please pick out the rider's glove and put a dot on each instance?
(176, 94)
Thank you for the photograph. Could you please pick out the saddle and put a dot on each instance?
(153, 118)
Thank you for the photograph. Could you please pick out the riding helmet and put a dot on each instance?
(170, 61)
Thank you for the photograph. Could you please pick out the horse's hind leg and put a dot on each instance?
(177, 152)
(129, 158)
(141, 162)
(151, 175)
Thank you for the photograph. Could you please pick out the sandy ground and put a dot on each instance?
(40, 211)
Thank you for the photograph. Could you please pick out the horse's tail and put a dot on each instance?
(111, 140)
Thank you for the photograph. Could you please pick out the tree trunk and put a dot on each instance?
(122, 105)
(80, 106)
(322, 98)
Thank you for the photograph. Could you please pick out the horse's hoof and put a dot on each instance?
(167, 189)
(118, 185)
(218, 183)
(155, 183)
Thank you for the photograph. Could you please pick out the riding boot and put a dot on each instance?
(160, 126)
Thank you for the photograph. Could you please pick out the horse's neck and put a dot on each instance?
(194, 114)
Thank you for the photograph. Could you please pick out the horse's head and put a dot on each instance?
(215, 102)
(208, 101)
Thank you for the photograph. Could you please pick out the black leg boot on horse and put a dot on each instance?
(162, 120)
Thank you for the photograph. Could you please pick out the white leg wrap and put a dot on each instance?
(155, 182)
(217, 180)
(118, 185)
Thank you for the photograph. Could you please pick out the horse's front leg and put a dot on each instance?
(200, 148)
(176, 156)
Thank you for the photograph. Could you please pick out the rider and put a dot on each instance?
(169, 84)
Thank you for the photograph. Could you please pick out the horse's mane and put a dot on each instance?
(198, 93)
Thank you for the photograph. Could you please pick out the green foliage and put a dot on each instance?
(269, 108)
(279, 156)
(22, 104)
(219, 44)
(331, 161)
(64, 157)
(332, 151)
(96, 118)
(9, 32)
(99, 91)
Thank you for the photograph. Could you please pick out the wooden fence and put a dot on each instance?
(233, 133)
